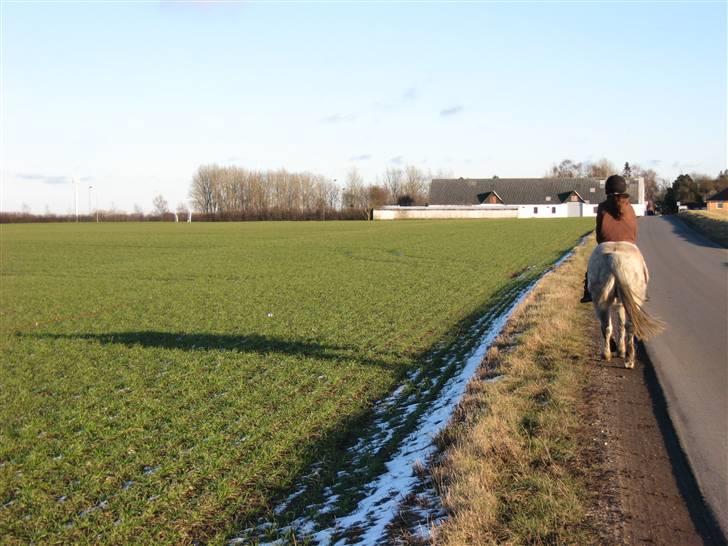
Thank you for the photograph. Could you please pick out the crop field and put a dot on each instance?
(167, 383)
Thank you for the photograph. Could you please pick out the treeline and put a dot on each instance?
(220, 193)
(654, 187)
(687, 189)
(235, 193)
(102, 216)
(692, 190)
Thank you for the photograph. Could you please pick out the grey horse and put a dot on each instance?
(617, 282)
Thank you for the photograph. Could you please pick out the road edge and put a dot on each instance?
(707, 521)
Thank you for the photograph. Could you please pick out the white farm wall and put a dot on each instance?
(560, 210)
(441, 212)
(639, 208)
(589, 209)
(543, 211)
(586, 210)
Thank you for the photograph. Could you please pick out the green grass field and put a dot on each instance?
(164, 383)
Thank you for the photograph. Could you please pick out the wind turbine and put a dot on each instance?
(74, 182)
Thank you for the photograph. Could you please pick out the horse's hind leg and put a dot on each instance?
(629, 360)
(621, 324)
(605, 321)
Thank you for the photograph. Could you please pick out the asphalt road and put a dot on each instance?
(689, 291)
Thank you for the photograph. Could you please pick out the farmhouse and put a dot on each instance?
(718, 202)
(515, 198)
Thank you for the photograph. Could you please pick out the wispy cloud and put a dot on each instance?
(684, 166)
(409, 94)
(396, 160)
(200, 6)
(362, 157)
(338, 118)
(654, 162)
(451, 111)
(45, 179)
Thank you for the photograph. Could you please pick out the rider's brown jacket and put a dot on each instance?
(610, 228)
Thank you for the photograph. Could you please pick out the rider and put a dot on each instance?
(616, 220)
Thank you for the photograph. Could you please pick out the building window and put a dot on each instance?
(595, 209)
(592, 190)
(535, 210)
(720, 204)
(548, 198)
(553, 210)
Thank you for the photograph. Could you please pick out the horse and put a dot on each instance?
(617, 281)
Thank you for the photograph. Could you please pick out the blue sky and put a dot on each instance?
(132, 97)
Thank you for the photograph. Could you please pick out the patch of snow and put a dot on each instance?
(385, 493)
(380, 507)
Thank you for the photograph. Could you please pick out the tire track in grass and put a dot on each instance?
(357, 502)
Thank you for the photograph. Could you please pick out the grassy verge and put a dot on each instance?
(713, 226)
(509, 471)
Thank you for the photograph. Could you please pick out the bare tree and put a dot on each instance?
(393, 183)
(415, 184)
(653, 192)
(203, 188)
(160, 205)
(354, 194)
(377, 196)
(569, 168)
(566, 169)
(600, 169)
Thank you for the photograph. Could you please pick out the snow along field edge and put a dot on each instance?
(383, 496)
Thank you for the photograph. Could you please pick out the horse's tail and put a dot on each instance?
(644, 325)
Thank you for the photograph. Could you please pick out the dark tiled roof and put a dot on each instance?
(722, 195)
(519, 191)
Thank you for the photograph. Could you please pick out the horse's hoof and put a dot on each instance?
(622, 354)
(629, 364)
(607, 356)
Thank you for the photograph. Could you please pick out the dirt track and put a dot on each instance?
(643, 489)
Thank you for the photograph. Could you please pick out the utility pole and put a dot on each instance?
(90, 189)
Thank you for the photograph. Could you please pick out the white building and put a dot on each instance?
(514, 197)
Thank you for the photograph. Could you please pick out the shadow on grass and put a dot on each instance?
(251, 343)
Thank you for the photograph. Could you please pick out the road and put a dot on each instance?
(689, 290)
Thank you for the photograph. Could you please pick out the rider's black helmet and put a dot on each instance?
(615, 184)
